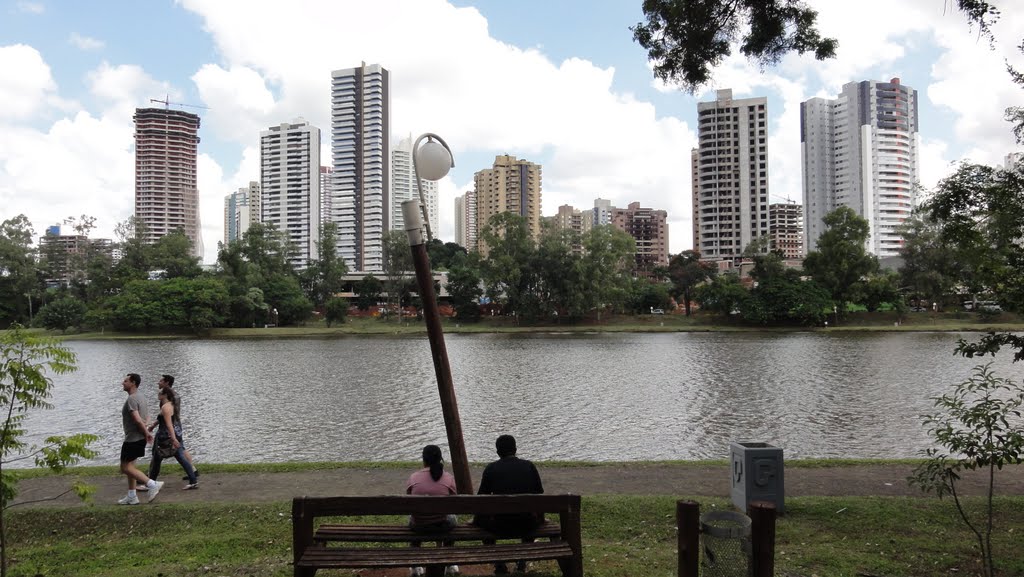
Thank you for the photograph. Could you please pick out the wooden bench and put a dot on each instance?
(385, 546)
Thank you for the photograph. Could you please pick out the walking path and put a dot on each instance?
(639, 479)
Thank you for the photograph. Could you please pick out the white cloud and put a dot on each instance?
(26, 85)
(30, 7)
(85, 42)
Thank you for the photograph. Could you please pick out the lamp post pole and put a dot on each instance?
(445, 387)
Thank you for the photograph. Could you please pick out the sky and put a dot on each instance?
(560, 83)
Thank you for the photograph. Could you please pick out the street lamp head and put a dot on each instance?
(433, 160)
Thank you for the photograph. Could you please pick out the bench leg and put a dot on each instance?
(572, 567)
(305, 571)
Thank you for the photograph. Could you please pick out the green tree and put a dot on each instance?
(686, 38)
(172, 253)
(25, 362)
(841, 262)
(443, 254)
(335, 310)
(561, 288)
(397, 265)
(62, 314)
(324, 276)
(507, 271)
(722, 295)
(464, 287)
(18, 280)
(368, 290)
(645, 294)
(607, 258)
(687, 272)
(932, 269)
(978, 426)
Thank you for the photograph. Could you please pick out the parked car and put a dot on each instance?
(657, 311)
(988, 307)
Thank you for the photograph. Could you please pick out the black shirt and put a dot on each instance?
(510, 476)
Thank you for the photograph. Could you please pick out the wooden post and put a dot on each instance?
(688, 523)
(445, 387)
(762, 538)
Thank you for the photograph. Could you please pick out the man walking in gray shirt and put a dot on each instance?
(134, 415)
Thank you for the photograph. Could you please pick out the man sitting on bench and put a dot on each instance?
(509, 475)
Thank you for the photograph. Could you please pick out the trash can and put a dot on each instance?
(757, 474)
(725, 544)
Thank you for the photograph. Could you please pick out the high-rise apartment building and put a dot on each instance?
(602, 211)
(465, 221)
(786, 230)
(649, 228)
(576, 220)
(326, 176)
(290, 186)
(730, 176)
(511, 185)
(166, 194)
(861, 150)
(403, 187)
(360, 135)
(241, 209)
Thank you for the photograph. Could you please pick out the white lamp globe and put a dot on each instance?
(433, 160)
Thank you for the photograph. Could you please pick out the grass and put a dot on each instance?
(622, 536)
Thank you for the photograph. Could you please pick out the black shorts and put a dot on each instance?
(133, 450)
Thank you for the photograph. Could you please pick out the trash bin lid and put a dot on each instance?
(725, 524)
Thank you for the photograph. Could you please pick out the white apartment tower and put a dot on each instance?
(465, 221)
(241, 209)
(861, 150)
(730, 176)
(290, 182)
(361, 189)
(326, 176)
(602, 211)
(403, 187)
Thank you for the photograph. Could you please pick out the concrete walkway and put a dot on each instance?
(645, 479)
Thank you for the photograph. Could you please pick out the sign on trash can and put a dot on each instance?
(757, 474)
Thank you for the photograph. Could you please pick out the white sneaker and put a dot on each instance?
(451, 570)
(154, 491)
(417, 571)
(128, 500)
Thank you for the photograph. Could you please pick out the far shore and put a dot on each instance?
(670, 323)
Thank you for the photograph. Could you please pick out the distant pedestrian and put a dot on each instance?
(167, 381)
(136, 436)
(169, 432)
(510, 475)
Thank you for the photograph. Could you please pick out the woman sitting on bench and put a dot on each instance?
(431, 480)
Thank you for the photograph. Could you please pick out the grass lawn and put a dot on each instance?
(622, 536)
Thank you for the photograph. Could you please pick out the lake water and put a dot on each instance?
(601, 397)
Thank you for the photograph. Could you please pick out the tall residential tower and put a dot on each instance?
(290, 183)
(861, 150)
(730, 176)
(166, 195)
(511, 185)
(361, 188)
(403, 187)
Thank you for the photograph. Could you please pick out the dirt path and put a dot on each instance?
(647, 479)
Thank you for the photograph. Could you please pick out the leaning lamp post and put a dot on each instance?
(434, 160)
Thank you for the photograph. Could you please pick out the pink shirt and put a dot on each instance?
(421, 483)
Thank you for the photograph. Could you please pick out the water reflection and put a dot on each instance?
(592, 397)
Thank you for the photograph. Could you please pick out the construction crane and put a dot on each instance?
(167, 103)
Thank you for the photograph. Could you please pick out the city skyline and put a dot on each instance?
(584, 104)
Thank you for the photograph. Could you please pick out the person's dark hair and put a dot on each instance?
(135, 378)
(171, 397)
(432, 458)
(168, 379)
(506, 445)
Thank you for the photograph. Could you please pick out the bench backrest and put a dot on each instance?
(432, 505)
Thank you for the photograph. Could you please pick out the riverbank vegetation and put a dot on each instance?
(623, 536)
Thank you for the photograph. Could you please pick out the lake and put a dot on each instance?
(599, 397)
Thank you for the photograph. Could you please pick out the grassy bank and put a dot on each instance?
(882, 321)
(623, 536)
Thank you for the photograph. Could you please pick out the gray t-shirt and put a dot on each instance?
(131, 429)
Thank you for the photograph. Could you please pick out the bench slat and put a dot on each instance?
(338, 557)
(434, 505)
(402, 533)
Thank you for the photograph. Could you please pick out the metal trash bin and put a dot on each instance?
(757, 474)
(725, 544)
